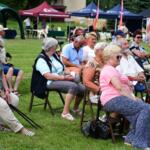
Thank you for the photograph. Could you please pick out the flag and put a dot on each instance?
(96, 17)
(121, 14)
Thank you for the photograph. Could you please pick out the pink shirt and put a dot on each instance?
(108, 90)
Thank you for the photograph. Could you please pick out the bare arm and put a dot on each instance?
(139, 53)
(7, 98)
(117, 84)
(67, 63)
(88, 75)
(4, 82)
(50, 76)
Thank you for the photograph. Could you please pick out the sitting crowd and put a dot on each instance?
(108, 70)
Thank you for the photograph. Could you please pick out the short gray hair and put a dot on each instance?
(48, 43)
(79, 38)
(100, 46)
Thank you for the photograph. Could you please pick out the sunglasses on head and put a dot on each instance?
(139, 37)
(119, 57)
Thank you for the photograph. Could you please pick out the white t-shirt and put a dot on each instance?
(27, 22)
(129, 67)
(88, 53)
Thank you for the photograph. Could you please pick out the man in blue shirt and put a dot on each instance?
(72, 54)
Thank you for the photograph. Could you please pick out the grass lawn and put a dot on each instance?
(57, 134)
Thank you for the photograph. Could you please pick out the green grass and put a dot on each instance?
(57, 134)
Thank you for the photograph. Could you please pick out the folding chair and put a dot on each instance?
(46, 101)
(147, 91)
(25, 117)
(87, 101)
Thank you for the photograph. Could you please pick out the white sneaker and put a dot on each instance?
(103, 118)
(94, 99)
(67, 116)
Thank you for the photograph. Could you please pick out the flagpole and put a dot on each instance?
(121, 14)
(96, 17)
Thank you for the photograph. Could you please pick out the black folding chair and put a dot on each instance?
(46, 101)
(25, 117)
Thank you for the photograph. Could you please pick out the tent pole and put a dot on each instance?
(116, 24)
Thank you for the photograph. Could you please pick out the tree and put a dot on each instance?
(133, 5)
(24, 4)
(137, 5)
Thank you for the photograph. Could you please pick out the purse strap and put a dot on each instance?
(99, 106)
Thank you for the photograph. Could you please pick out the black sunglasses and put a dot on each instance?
(119, 57)
(139, 37)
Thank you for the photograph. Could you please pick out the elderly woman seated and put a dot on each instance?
(92, 69)
(49, 74)
(117, 96)
(7, 117)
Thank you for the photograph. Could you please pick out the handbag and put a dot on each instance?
(99, 129)
(96, 128)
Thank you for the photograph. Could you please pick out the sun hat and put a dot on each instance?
(48, 43)
(2, 28)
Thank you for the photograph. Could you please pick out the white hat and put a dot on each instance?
(2, 28)
(49, 42)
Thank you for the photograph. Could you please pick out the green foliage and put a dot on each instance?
(132, 5)
(24, 4)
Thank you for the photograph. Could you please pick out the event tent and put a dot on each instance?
(145, 13)
(133, 21)
(115, 11)
(88, 11)
(4, 11)
(43, 10)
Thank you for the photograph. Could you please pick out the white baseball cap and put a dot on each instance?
(2, 28)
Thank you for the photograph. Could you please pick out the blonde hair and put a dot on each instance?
(110, 50)
(90, 34)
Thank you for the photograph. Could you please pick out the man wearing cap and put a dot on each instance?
(7, 97)
(9, 69)
(72, 54)
(118, 34)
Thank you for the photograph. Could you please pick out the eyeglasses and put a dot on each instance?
(139, 37)
(119, 57)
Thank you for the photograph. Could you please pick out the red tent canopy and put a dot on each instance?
(43, 10)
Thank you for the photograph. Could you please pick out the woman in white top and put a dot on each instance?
(52, 69)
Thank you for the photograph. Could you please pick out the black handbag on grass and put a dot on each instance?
(96, 128)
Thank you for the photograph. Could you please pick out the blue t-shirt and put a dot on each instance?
(73, 55)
